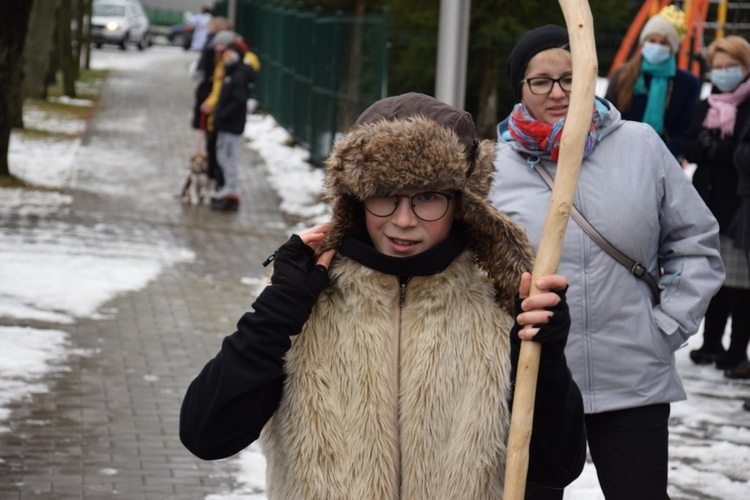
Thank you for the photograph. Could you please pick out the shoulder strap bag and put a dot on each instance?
(636, 268)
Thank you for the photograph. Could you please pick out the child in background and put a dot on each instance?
(229, 122)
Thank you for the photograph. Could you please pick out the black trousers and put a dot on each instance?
(630, 449)
(728, 302)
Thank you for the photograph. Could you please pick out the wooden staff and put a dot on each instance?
(580, 26)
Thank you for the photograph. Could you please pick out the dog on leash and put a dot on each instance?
(195, 191)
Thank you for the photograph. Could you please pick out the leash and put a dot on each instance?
(201, 133)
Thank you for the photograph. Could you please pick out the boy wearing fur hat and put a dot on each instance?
(650, 88)
(377, 363)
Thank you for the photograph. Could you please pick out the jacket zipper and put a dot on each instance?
(403, 280)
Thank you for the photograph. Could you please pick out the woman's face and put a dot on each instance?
(722, 60)
(550, 107)
(403, 234)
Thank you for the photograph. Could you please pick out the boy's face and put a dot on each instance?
(402, 233)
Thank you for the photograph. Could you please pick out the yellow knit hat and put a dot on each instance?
(669, 21)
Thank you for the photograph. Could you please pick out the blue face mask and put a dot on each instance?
(727, 79)
(655, 53)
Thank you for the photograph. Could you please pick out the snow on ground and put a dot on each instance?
(710, 433)
(42, 260)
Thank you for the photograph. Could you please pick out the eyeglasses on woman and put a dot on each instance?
(541, 85)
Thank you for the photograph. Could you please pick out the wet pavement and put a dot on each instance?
(108, 426)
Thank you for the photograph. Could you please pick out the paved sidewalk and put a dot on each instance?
(108, 427)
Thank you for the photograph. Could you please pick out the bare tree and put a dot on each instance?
(14, 19)
(65, 48)
(87, 34)
(39, 40)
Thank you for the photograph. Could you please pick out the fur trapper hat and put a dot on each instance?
(415, 142)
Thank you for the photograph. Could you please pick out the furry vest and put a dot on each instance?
(395, 391)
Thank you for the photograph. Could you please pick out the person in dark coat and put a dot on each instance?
(742, 235)
(650, 88)
(378, 361)
(720, 130)
(742, 165)
(204, 75)
(229, 118)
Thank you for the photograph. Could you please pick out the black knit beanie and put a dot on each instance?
(530, 44)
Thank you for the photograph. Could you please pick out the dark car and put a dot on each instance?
(181, 35)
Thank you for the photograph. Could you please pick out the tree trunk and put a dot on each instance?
(351, 85)
(87, 35)
(38, 45)
(78, 46)
(53, 65)
(65, 48)
(14, 19)
(488, 94)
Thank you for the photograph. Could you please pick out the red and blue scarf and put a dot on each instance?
(539, 136)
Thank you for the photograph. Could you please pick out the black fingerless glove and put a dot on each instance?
(296, 283)
(552, 335)
(294, 267)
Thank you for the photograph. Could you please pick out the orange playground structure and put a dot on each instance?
(697, 14)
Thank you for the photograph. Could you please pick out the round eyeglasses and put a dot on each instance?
(428, 206)
(540, 85)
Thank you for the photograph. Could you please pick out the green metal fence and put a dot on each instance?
(319, 71)
(164, 17)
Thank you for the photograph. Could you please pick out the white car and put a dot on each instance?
(120, 22)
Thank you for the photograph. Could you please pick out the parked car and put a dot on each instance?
(181, 35)
(120, 22)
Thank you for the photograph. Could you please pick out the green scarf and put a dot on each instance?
(657, 92)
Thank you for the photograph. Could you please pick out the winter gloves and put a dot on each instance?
(553, 335)
(296, 283)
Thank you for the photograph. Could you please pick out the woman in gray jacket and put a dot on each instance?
(633, 191)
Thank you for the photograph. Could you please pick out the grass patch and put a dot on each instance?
(60, 110)
(87, 85)
(40, 134)
(10, 182)
(42, 118)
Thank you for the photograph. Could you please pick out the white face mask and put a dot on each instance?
(655, 53)
(727, 79)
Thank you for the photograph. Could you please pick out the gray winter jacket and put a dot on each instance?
(634, 192)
